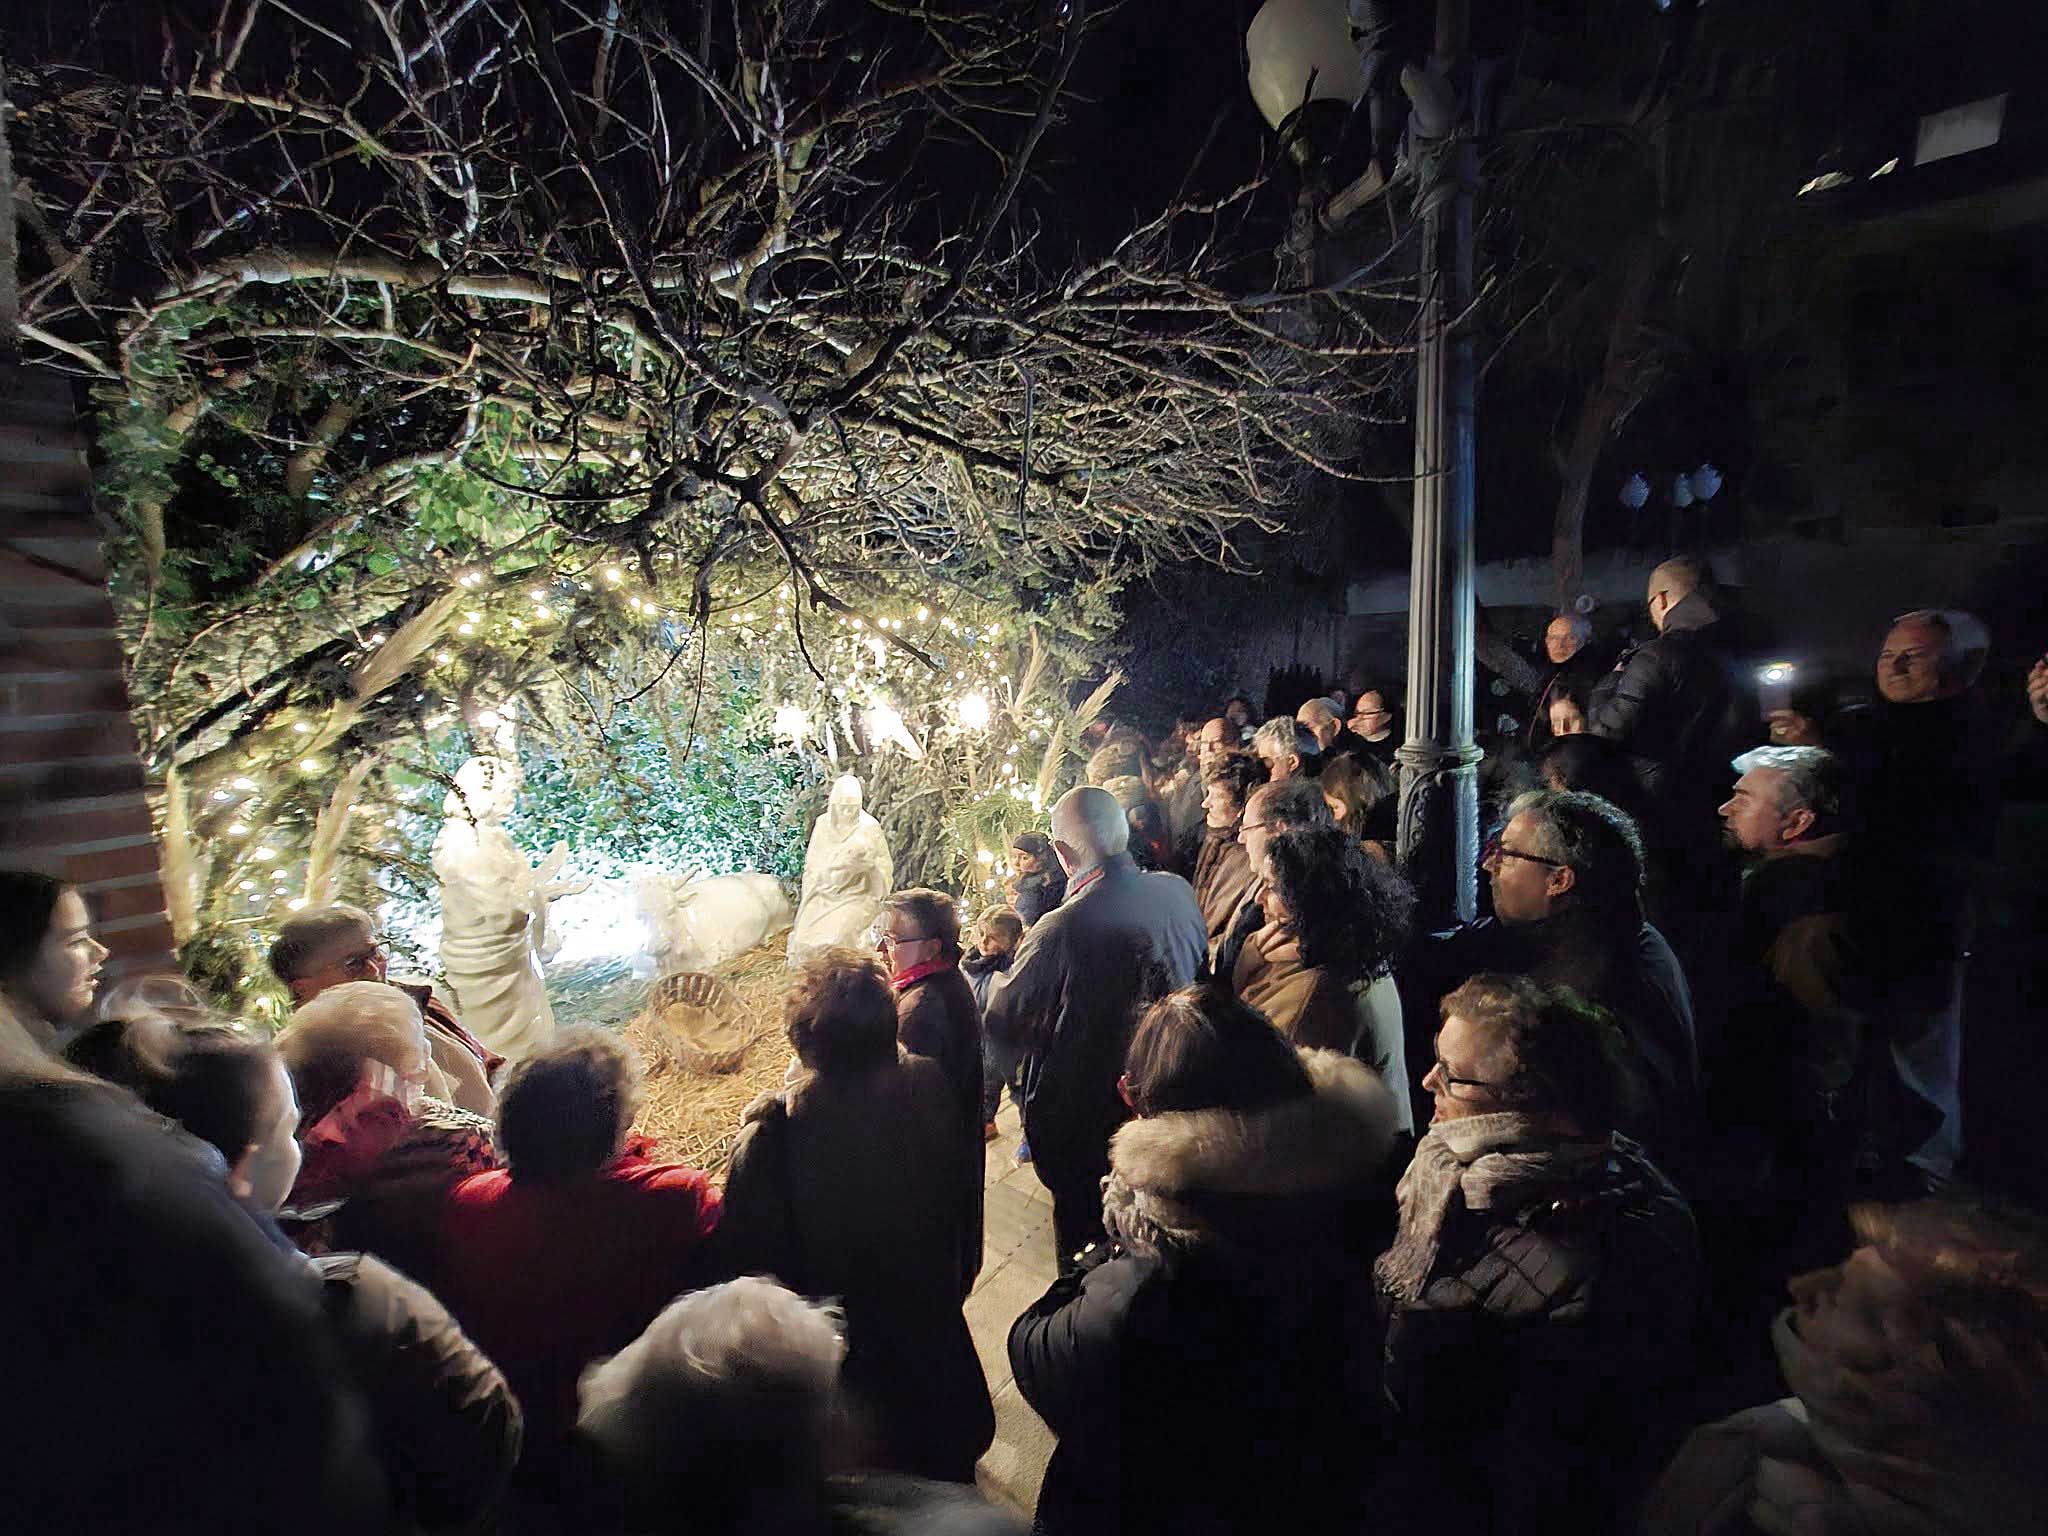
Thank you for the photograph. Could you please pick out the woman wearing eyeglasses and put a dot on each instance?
(1541, 1295)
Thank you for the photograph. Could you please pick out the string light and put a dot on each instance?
(465, 629)
(245, 785)
(309, 765)
(302, 728)
(266, 854)
(974, 711)
(296, 904)
(237, 829)
(791, 722)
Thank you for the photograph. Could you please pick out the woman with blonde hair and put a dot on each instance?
(375, 1138)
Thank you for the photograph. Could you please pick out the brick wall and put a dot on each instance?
(71, 785)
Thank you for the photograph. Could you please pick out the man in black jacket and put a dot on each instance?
(1671, 700)
(1122, 938)
(1673, 705)
(1924, 767)
(1567, 874)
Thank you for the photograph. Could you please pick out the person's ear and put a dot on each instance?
(240, 1185)
(1562, 880)
(302, 990)
(1796, 824)
(1065, 854)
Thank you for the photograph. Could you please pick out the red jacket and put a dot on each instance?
(548, 1276)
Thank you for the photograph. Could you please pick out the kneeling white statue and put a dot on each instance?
(847, 872)
(695, 923)
(494, 912)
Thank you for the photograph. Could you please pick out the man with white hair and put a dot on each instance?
(1789, 1050)
(1287, 748)
(1121, 939)
(719, 1418)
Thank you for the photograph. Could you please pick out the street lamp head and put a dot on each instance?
(1300, 52)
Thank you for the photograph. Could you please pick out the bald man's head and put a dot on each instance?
(1323, 720)
(1673, 582)
(1088, 826)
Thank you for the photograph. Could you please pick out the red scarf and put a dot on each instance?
(1077, 886)
(904, 980)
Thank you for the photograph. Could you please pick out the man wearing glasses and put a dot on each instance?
(1567, 874)
(324, 947)
(1269, 810)
(918, 938)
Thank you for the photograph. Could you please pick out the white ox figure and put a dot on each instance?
(697, 923)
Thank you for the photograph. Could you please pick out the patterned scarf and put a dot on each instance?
(1499, 1162)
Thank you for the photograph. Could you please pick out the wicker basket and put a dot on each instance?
(702, 1023)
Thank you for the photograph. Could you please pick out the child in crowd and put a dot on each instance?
(997, 933)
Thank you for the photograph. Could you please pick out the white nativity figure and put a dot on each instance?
(494, 912)
(847, 872)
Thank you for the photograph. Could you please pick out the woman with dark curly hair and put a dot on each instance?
(1321, 967)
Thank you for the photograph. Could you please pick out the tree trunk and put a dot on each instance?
(1624, 379)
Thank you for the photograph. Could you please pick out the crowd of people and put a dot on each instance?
(1525, 1225)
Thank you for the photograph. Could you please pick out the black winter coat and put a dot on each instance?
(1071, 1000)
(1623, 965)
(937, 1016)
(1536, 1384)
(1674, 703)
(447, 1425)
(1039, 894)
(167, 1366)
(1216, 1370)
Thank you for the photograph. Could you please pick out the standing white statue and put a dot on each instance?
(847, 872)
(494, 912)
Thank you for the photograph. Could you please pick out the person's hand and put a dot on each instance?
(1789, 728)
(2037, 690)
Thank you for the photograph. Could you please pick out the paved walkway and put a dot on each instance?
(1016, 1267)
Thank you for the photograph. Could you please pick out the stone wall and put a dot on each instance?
(71, 785)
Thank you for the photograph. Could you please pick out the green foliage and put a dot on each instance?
(632, 797)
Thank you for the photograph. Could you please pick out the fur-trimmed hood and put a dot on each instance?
(1215, 1177)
